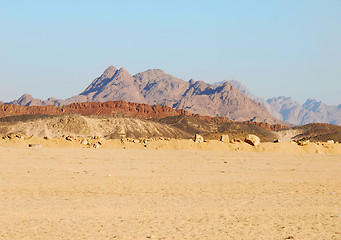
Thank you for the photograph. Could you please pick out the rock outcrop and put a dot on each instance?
(252, 140)
(225, 138)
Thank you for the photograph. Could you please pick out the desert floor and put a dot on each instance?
(81, 193)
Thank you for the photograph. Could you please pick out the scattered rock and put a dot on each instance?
(96, 137)
(236, 140)
(14, 136)
(70, 138)
(302, 143)
(252, 140)
(84, 142)
(330, 141)
(225, 138)
(136, 141)
(47, 138)
(277, 141)
(290, 237)
(96, 146)
(35, 145)
(198, 138)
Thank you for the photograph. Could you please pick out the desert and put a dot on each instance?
(180, 176)
(168, 189)
(170, 120)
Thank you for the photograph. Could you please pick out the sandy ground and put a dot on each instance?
(69, 192)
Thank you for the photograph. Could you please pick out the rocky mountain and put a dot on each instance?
(156, 87)
(291, 111)
(246, 91)
(309, 112)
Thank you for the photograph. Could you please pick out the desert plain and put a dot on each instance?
(173, 189)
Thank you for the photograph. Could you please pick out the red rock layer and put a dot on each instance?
(114, 108)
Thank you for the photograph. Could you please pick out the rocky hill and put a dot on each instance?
(156, 87)
(118, 108)
(314, 132)
(291, 111)
(76, 125)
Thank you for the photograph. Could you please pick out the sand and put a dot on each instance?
(65, 191)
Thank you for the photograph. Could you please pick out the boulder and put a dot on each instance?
(302, 143)
(198, 138)
(252, 140)
(70, 138)
(34, 145)
(225, 138)
(236, 140)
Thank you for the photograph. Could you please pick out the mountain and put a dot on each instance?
(309, 112)
(291, 111)
(154, 86)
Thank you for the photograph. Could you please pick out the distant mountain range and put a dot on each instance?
(291, 111)
(229, 99)
(156, 87)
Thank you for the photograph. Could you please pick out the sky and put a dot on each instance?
(275, 48)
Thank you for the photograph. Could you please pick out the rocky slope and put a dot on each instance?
(156, 87)
(291, 111)
(85, 126)
(121, 119)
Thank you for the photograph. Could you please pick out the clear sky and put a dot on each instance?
(275, 48)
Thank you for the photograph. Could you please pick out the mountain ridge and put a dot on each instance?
(289, 110)
(229, 99)
(154, 86)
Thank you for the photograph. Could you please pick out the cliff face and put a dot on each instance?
(156, 87)
(94, 108)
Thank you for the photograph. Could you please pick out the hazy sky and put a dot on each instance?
(275, 48)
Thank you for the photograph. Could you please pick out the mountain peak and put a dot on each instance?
(151, 73)
(26, 96)
(156, 71)
(217, 84)
(123, 71)
(109, 72)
